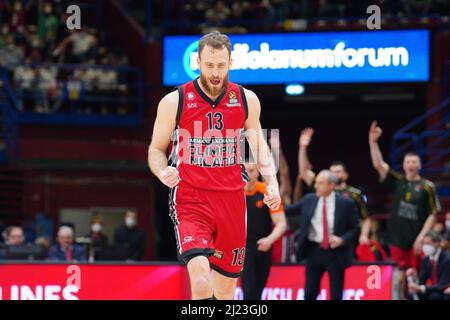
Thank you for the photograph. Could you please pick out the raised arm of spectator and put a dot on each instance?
(62, 46)
(298, 190)
(303, 162)
(378, 162)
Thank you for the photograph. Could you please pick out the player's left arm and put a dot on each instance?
(261, 151)
(280, 227)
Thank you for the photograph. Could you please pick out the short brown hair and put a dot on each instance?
(215, 40)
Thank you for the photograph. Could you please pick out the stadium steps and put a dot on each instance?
(11, 193)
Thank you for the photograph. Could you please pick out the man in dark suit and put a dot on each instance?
(131, 237)
(65, 249)
(434, 276)
(325, 243)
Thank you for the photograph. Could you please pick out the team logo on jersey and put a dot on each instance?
(418, 187)
(190, 95)
(408, 196)
(218, 254)
(233, 100)
(346, 194)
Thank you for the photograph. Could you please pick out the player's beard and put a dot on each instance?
(213, 90)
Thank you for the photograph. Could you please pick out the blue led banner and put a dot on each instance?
(319, 57)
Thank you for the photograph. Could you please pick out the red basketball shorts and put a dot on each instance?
(210, 223)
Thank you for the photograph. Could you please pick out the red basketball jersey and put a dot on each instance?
(206, 145)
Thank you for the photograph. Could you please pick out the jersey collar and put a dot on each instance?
(205, 96)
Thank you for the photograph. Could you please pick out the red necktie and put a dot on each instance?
(69, 254)
(433, 271)
(325, 243)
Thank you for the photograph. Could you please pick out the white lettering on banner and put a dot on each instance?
(278, 293)
(47, 292)
(339, 57)
(352, 294)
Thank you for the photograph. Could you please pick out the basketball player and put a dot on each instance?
(205, 119)
(414, 209)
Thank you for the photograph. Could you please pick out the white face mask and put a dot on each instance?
(96, 227)
(447, 225)
(428, 250)
(130, 222)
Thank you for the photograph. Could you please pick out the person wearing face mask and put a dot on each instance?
(98, 239)
(131, 236)
(434, 276)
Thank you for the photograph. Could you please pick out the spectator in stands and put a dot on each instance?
(131, 236)
(18, 15)
(83, 44)
(416, 7)
(414, 207)
(99, 240)
(65, 249)
(43, 242)
(24, 79)
(35, 45)
(10, 53)
(107, 82)
(47, 25)
(217, 15)
(14, 236)
(434, 276)
(46, 86)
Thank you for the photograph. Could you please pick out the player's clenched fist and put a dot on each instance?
(272, 198)
(170, 177)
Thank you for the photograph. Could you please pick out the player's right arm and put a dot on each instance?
(162, 132)
(303, 162)
(375, 153)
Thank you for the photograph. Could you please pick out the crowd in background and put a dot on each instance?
(128, 244)
(34, 38)
(241, 16)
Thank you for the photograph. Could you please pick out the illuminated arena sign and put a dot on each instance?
(325, 57)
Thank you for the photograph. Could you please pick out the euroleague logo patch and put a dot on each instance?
(190, 95)
(232, 100)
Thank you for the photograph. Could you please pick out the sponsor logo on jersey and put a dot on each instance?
(190, 95)
(418, 187)
(232, 100)
(192, 105)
